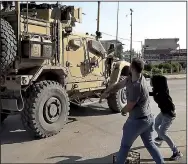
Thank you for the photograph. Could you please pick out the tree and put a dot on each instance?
(176, 67)
(166, 67)
(148, 67)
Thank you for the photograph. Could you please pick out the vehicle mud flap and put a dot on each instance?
(14, 104)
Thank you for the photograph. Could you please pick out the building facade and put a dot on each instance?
(161, 50)
(162, 43)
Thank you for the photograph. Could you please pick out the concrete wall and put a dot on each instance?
(161, 43)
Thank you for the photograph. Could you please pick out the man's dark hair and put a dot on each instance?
(137, 64)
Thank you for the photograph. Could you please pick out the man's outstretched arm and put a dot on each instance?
(114, 88)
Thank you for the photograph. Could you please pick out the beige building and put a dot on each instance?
(161, 43)
(162, 49)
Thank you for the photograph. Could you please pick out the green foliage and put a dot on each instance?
(165, 71)
(148, 67)
(164, 68)
(176, 67)
(160, 66)
(156, 71)
(146, 74)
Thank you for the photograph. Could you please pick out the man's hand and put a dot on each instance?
(113, 88)
(123, 113)
(103, 96)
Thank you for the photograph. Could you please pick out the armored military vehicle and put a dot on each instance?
(45, 66)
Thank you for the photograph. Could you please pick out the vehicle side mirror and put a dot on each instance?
(97, 48)
(98, 34)
(112, 46)
(111, 49)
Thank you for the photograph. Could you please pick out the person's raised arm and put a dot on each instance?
(114, 88)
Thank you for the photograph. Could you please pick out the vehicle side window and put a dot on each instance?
(96, 47)
(75, 43)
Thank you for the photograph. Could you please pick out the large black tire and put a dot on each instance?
(3, 117)
(8, 46)
(41, 99)
(117, 100)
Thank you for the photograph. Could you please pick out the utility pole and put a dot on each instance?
(131, 37)
(98, 34)
(141, 49)
(117, 27)
(98, 16)
(179, 59)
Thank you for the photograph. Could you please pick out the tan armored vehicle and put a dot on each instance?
(44, 66)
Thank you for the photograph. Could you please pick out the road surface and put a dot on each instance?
(92, 135)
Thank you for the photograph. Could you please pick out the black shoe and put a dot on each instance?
(158, 139)
(158, 144)
(176, 156)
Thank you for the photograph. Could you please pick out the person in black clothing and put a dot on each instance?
(167, 115)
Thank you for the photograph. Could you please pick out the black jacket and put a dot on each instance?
(161, 95)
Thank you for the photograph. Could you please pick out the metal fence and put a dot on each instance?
(163, 57)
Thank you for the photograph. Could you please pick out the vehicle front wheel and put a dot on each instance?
(118, 100)
(46, 109)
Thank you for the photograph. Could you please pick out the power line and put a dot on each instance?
(119, 37)
(117, 30)
(115, 36)
(131, 40)
(117, 25)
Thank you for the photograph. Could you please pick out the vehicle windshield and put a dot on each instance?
(113, 49)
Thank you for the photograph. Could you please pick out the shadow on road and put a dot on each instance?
(107, 159)
(74, 159)
(12, 131)
(151, 160)
(143, 147)
(90, 110)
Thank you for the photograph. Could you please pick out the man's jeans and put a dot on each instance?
(131, 130)
(162, 124)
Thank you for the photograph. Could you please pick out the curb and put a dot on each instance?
(172, 78)
(176, 77)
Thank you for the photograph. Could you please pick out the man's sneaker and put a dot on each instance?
(158, 144)
(158, 139)
(176, 156)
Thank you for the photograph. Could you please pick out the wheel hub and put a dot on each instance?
(123, 95)
(52, 110)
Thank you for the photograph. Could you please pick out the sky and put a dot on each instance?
(150, 20)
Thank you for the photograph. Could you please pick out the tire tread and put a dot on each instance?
(112, 100)
(28, 114)
(8, 46)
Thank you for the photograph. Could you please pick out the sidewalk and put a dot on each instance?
(178, 76)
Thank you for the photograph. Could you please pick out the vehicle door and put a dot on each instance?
(74, 56)
(96, 56)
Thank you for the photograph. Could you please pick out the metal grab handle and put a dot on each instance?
(36, 36)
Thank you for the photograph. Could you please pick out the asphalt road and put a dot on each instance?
(92, 135)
